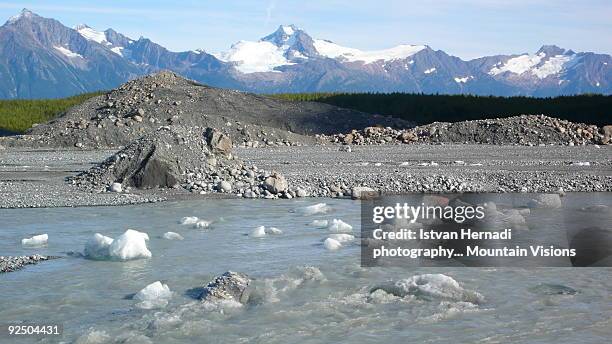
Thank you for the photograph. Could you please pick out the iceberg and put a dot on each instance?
(35, 241)
(432, 287)
(319, 223)
(97, 247)
(155, 295)
(130, 245)
(339, 226)
(273, 231)
(259, 232)
(189, 220)
(319, 208)
(332, 244)
(342, 237)
(172, 236)
(201, 224)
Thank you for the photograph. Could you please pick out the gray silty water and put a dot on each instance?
(92, 298)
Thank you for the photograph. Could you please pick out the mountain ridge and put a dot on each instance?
(41, 57)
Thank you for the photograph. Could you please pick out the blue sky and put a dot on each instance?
(468, 29)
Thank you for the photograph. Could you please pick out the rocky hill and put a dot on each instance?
(144, 105)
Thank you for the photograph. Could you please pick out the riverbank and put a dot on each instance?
(36, 178)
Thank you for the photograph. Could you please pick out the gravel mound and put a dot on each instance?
(143, 105)
(178, 157)
(519, 130)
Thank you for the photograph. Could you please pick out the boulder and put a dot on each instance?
(607, 134)
(348, 139)
(218, 142)
(116, 187)
(156, 170)
(224, 186)
(229, 286)
(301, 193)
(364, 192)
(407, 137)
(276, 183)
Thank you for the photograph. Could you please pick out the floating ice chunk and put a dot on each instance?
(342, 237)
(405, 163)
(514, 219)
(332, 244)
(319, 223)
(173, 236)
(35, 241)
(432, 287)
(97, 247)
(130, 245)
(94, 337)
(273, 231)
(155, 295)
(202, 224)
(189, 220)
(380, 296)
(339, 226)
(550, 201)
(259, 232)
(597, 208)
(319, 208)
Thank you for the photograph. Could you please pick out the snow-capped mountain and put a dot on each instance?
(40, 57)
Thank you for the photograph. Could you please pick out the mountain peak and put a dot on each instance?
(25, 13)
(283, 34)
(82, 26)
(551, 50)
(288, 29)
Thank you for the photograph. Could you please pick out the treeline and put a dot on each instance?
(18, 115)
(423, 108)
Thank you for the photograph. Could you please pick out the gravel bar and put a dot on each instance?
(36, 178)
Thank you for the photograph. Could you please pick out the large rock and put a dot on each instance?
(229, 286)
(607, 134)
(116, 187)
(407, 137)
(364, 192)
(276, 183)
(156, 160)
(156, 170)
(218, 142)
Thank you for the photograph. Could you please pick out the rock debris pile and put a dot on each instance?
(178, 157)
(527, 130)
(143, 105)
(10, 264)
